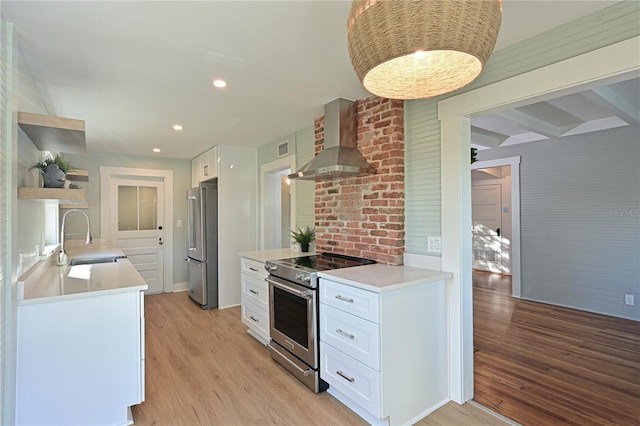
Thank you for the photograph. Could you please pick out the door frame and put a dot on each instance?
(606, 65)
(106, 176)
(276, 166)
(514, 162)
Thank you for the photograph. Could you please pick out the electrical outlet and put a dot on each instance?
(629, 299)
(434, 244)
(179, 223)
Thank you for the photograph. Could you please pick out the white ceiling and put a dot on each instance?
(132, 69)
(601, 108)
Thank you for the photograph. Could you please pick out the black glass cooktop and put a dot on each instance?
(324, 262)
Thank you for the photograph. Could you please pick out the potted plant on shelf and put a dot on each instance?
(304, 237)
(54, 170)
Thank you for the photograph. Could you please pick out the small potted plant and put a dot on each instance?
(304, 237)
(53, 169)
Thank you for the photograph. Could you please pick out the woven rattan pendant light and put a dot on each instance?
(412, 49)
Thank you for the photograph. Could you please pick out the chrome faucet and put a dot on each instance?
(62, 256)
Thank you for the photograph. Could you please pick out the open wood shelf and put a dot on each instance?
(68, 196)
(78, 176)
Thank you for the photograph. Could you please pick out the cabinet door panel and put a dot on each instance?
(362, 303)
(255, 318)
(255, 290)
(354, 336)
(355, 380)
(253, 267)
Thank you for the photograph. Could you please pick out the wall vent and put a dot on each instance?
(283, 149)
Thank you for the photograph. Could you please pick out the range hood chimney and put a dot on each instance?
(340, 158)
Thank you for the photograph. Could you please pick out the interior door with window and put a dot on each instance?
(137, 227)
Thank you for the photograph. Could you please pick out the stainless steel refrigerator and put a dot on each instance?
(202, 238)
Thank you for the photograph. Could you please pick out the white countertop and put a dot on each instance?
(381, 278)
(273, 254)
(48, 282)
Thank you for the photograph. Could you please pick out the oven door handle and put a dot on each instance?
(306, 372)
(289, 289)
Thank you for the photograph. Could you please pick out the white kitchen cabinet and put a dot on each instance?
(204, 166)
(384, 354)
(80, 360)
(255, 299)
(237, 173)
(236, 169)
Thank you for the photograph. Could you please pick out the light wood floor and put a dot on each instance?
(540, 364)
(203, 369)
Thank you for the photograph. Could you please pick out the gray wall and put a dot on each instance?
(580, 223)
(422, 129)
(181, 182)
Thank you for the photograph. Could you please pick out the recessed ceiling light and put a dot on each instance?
(177, 127)
(156, 149)
(219, 83)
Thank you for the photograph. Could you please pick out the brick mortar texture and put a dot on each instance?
(364, 216)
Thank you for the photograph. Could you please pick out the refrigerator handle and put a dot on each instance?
(190, 225)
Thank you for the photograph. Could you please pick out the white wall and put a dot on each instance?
(24, 218)
(302, 144)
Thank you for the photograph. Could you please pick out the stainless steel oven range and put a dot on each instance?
(293, 299)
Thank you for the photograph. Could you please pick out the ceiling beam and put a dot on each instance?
(537, 125)
(612, 101)
(487, 138)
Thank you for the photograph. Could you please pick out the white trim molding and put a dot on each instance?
(614, 63)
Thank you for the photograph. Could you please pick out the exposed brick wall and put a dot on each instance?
(364, 216)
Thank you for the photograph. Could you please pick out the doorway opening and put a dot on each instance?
(495, 210)
(602, 66)
(278, 203)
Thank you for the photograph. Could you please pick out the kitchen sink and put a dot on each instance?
(92, 260)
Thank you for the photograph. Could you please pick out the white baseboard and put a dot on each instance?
(423, 261)
(180, 287)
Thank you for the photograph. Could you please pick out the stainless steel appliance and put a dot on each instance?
(202, 238)
(340, 157)
(293, 300)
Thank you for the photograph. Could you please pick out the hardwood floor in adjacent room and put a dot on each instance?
(202, 368)
(540, 364)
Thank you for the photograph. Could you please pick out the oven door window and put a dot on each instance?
(290, 314)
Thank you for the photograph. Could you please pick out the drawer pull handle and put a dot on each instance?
(347, 378)
(254, 319)
(344, 299)
(253, 269)
(254, 292)
(347, 335)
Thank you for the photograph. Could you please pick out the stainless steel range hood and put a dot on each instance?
(340, 158)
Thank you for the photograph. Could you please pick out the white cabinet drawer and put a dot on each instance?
(255, 290)
(255, 318)
(362, 303)
(352, 335)
(355, 380)
(253, 267)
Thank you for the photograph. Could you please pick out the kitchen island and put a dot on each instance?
(80, 341)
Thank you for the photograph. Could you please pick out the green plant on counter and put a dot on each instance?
(42, 165)
(304, 237)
